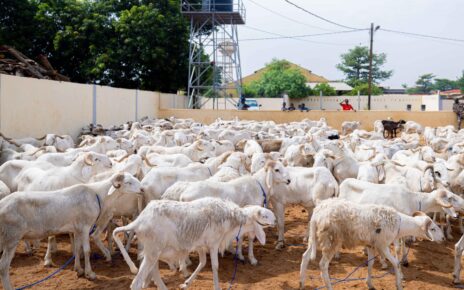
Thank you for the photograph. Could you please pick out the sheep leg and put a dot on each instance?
(370, 258)
(324, 266)
(129, 240)
(5, 262)
(279, 211)
(77, 257)
(109, 237)
(396, 267)
(201, 265)
(304, 265)
(100, 245)
(146, 267)
(458, 249)
(89, 274)
(239, 249)
(405, 247)
(48, 262)
(28, 246)
(183, 267)
(449, 229)
(461, 226)
(53, 244)
(251, 254)
(213, 252)
(157, 277)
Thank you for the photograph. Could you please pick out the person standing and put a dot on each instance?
(346, 106)
(458, 108)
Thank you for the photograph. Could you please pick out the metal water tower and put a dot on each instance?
(214, 56)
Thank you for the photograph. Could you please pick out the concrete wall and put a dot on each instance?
(172, 101)
(334, 118)
(32, 107)
(381, 103)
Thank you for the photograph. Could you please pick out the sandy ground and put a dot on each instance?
(431, 267)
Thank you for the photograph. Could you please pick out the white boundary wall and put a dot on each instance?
(33, 107)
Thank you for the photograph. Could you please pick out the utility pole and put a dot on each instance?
(371, 55)
(369, 90)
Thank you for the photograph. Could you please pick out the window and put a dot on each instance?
(422, 108)
(408, 107)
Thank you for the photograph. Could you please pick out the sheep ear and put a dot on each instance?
(440, 198)
(86, 172)
(260, 234)
(426, 228)
(381, 172)
(117, 181)
(269, 177)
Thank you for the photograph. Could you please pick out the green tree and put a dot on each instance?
(355, 65)
(133, 44)
(280, 78)
(325, 88)
(444, 84)
(364, 90)
(460, 82)
(424, 84)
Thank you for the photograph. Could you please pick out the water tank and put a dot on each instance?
(218, 5)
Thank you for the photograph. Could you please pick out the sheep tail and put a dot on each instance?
(312, 239)
(121, 247)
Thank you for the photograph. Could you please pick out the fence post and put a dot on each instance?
(94, 105)
(320, 100)
(359, 101)
(136, 104)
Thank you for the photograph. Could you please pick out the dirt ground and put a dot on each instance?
(431, 267)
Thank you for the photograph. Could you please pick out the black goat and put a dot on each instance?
(390, 128)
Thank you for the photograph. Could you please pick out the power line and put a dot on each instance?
(304, 35)
(423, 35)
(287, 17)
(295, 38)
(320, 17)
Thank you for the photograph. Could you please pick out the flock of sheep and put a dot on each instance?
(181, 187)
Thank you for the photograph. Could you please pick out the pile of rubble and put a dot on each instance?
(13, 62)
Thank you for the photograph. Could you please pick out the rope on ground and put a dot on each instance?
(237, 239)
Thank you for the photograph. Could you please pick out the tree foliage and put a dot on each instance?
(363, 89)
(278, 79)
(132, 44)
(355, 65)
(427, 83)
(326, 89)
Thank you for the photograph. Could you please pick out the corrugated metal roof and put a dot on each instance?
(309, 75)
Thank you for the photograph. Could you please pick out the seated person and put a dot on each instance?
(292, 107)
(284, 107)
(303, 107)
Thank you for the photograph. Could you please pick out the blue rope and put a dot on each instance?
(264, 194)
(49, 276)
(346, 279)
(94, 227)
(237, 238)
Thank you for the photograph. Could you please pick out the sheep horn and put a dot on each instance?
(145, 159)
(123, 158)
(36, 151)
(88, 160)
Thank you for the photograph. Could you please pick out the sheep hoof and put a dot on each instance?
(371, 288)
(90, 276)
(384, 266)
(405, 264)
(301, 286)
(280, 245)
(253, 262)
(49, 264)
(449, 237)
(183, 286)
(80, 272)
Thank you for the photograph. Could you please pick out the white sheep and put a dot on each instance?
(336, 223)
(204, 225)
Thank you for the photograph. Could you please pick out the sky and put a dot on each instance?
(407, 56)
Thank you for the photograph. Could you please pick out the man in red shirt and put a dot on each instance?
(346, 106)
